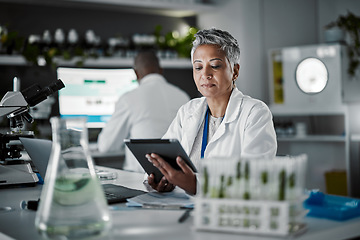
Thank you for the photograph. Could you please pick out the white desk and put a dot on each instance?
(152, 224)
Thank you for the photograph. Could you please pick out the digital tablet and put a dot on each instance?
(168, 149)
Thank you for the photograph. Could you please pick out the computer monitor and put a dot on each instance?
(92, 93)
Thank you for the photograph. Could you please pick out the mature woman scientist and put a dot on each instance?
(224, 122)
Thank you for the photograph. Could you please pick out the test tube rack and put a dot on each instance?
(272, 218)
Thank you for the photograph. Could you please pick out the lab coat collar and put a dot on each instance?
(197, 114)
(151, 78)
(197, 111)
(231, 113)
(233, 107)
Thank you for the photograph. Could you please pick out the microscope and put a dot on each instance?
(16, 105)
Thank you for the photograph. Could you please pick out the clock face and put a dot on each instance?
(311, 75)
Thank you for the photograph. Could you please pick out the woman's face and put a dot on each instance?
(212, 72)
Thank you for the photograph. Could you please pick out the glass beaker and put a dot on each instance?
(72, 202)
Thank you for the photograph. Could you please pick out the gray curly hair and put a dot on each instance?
(223, 39)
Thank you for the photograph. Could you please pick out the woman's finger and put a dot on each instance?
(155, 159)
(151, 181)
(161, 164)
(162, 184)
(182, 164)
(169, 187)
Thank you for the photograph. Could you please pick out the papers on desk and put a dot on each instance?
(169, 200)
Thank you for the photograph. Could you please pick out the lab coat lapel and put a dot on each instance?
(231, 113)
(193, 124)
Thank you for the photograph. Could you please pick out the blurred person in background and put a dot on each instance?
(145, 112)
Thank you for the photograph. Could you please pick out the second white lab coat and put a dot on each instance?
(247, 129)
(145, 112)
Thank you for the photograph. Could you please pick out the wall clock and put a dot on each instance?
(307, 77)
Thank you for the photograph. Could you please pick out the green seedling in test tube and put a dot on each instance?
(238, 170)
(222, 187)
(246, 195)
(247, 171)
(282, 184)
(206, 182)
(292, 180)
(229, 181)
(214, 192)
(291, 190)
(236, 188)
(264, 177)
(229, 184)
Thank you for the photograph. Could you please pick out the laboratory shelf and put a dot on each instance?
(283, 111)
(177, 63)
(312, 138)
(326, 140)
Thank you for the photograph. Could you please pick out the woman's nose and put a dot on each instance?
(207, 74)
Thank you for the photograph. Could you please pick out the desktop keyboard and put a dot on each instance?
(117, 194)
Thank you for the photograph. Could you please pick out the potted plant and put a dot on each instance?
(350, 24)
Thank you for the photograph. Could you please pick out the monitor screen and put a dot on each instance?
(92, 93)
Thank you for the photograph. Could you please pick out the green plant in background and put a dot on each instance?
(172, 40)
(11, 42)
(350, 23)
(185, 43)
(31, 53)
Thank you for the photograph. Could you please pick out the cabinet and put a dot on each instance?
(355, 164)
(326, 142)
(323, 112)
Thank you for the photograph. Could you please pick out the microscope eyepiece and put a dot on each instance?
(35, 94)
(55, 86)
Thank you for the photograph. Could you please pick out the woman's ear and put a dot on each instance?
(236, 71)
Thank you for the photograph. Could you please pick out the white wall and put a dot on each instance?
(289, 23)
(243, 20)
(260, 25)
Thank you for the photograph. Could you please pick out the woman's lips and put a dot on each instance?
(207, 85)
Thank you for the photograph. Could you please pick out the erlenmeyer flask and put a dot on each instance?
(72, 202)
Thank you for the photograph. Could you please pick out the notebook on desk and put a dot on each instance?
(118, 194)
(39, 151)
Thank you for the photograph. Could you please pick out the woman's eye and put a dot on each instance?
(197, 68)
(215, 66)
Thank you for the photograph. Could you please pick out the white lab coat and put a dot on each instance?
(247, 129)
(145, 112)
